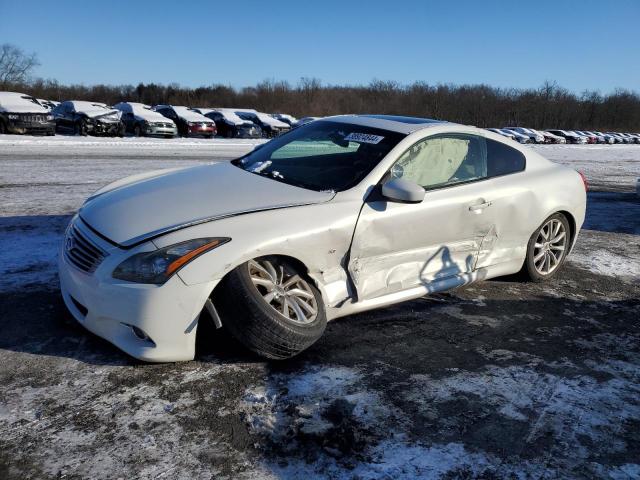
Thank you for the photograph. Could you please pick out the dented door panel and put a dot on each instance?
(400, 246)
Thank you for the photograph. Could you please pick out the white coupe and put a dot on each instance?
(341, 215)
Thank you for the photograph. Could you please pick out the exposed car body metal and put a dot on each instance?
(361, 252)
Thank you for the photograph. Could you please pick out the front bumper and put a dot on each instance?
(98, 127)
(167, 314)
(201, 130)
(161, 130)
(33, 128)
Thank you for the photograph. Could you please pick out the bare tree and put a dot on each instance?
(15, 65)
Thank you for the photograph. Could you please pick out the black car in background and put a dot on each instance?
(88, 118)
(21, 113)
(190, 123)
(269, 125)
(229, 124)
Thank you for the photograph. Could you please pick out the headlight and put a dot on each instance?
(12, 117)
(49, 117)
(158, 266)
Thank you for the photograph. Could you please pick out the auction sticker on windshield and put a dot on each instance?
(364, 138)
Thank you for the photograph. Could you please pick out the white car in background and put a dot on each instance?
(535, 137)
(340, 216)
(518, 137)
(142, 120)
(504, 133)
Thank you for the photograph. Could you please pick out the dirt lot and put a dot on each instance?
(502, 379)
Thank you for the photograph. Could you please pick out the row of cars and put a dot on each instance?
(21, 113)
(529, 135)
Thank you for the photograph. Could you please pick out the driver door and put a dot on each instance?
(398, 246)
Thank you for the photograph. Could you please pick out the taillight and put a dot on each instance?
(584, 180)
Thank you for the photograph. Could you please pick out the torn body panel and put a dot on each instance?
(398, 246)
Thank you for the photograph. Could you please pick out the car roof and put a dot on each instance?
(394, 123)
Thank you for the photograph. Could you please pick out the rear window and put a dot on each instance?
(502, 159)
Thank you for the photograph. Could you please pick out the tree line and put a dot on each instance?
(549, 106)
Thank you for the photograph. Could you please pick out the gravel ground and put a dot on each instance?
(501, 379)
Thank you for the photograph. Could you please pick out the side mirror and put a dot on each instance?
(404, 191)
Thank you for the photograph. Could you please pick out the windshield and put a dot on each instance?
(322, 155)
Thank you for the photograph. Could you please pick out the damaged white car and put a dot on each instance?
(339, 216)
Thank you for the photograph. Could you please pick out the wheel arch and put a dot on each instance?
(572, 227)
(293, 260)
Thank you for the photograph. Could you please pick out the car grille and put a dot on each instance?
(81, 252)
(33, 118)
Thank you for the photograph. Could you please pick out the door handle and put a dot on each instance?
(478, 207)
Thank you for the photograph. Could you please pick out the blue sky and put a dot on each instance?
(580, 44)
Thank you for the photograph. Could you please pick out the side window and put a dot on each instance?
(443, 160)
(502, 159)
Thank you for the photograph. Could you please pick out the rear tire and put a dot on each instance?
(137, 131)
(253, 297)
(548, 248)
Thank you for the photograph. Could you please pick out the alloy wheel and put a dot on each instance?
(550, 246)
(284, 290)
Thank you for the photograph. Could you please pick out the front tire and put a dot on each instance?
(80, 128)
(548, 248)
(271, 307)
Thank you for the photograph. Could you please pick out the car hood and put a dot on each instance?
(151, 116)
(101, 112)
(129, 212)
(20, 108)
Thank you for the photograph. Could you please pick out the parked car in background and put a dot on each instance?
(509, 134)
(141, 120)
(504, 133)
(21, 113)
(189, 122)
(283, 117)
(269, 125)
(599, 137)
(518, 137)
(551, 138)
(591, 138)
(230, 125)
(569, 136)
(535, 137)
(305, 120)
(632, 138)
(607, 138)
(619, 138)
(274, 244)
(88, 118)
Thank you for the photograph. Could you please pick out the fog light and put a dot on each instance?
(139, 333)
